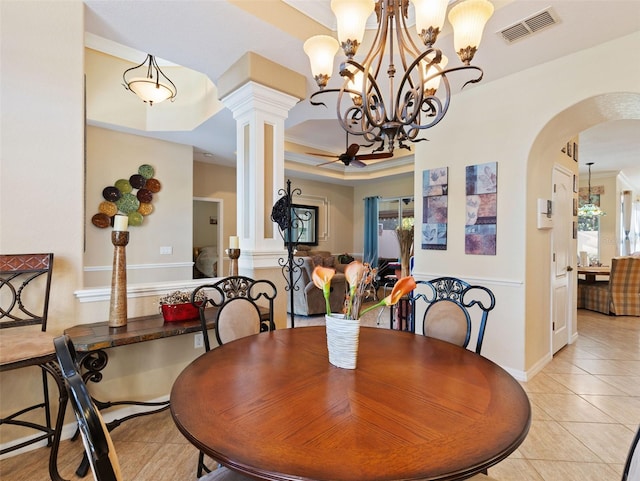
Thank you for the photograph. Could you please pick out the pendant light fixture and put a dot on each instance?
(398, 89)
(152, 86)
(589, 209)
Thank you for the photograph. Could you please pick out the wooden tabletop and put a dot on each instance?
(602, 270)
(591, 272)
(271, 406)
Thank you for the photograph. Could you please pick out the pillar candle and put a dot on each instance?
(120, 222)
(234, 242)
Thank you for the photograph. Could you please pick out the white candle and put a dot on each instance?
(120, 222)
(234, 242)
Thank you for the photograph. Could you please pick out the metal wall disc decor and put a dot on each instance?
(130, 196)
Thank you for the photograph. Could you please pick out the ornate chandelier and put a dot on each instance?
(589, 209)
(154, 86)
(418, 102)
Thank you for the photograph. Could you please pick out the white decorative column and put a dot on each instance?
(260, 113)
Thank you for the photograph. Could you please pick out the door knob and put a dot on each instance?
(569, 268)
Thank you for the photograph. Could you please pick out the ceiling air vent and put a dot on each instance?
(529, 25)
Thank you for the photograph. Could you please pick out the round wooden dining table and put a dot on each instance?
(271, 406)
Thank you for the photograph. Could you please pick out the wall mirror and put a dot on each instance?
(304, 225)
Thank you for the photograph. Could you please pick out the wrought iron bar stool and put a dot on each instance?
(25, 282)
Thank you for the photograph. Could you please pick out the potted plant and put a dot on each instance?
(343, 329)
(177, 306)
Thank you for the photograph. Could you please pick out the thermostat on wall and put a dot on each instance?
(545, 219)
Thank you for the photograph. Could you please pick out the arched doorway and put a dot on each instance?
(565, 125)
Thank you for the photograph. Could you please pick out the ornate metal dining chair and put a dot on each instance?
(237, 310)
(98, 445)
(237, 314)
(447, 305)
(25, 282)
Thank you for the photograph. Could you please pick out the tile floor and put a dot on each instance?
(586, 408)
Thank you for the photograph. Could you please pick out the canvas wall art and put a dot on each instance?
(481, 209)
(435, 190)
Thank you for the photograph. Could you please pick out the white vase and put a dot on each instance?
(342, 340)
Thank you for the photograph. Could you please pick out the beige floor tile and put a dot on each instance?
(162, 464)
(549, 440)
(585, 384)
(545, 382)
(569, 407)
(538, 413)
(560, 365)
(627, 384)
(624, 409)
(515, 470)
(609, 367)
(563, 471)
(570, 353)
(609, 441)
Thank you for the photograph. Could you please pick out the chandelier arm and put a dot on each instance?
(372, 99)
(160, 72)
(124, 74)
(406, 46)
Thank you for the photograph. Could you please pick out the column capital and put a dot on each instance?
(253, 96)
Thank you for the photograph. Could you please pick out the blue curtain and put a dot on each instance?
(371, 231)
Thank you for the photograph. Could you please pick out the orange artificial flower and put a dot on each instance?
(401, 288)
(321, 277)
(353, 273)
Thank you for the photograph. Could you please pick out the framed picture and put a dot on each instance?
(569, 149)
(304, 225)
(575, 152)
(575, 183)
(575, 206)
(575, 229)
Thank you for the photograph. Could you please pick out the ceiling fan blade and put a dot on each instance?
(327, 163)
(357, 163)
(379, 155)
(321, 155)
(352, 150)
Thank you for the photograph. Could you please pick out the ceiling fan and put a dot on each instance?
(351, 157)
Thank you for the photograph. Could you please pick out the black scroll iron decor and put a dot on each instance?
(290, 225)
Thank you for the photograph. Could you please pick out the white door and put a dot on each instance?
(562, 254)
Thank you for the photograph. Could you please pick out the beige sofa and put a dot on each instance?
(308, 300)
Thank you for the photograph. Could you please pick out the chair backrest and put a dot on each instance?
(95, 435)
(624, 286)
(448, 304)
(236, 300)
(25, 281)
(631, 470)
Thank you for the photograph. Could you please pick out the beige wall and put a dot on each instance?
(524, 141)
(396, 186)
(41, 158)
(114, 155)
(335, 212)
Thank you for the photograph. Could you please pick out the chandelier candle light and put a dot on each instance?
(154, 86)
(418, 102)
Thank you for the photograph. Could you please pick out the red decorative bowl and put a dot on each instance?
(179, 312)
